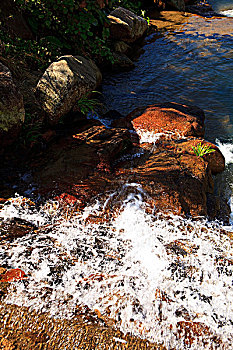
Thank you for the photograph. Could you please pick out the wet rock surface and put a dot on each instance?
(98, 160)
(168, 20)
(201, 8)
(14, 228)
(122, 62)
(173, 119)
(82, 156)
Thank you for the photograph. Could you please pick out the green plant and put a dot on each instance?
(87, 104)
(61, 27)
(76, 27)
(143, 15)
(201, 149)
(36, 53)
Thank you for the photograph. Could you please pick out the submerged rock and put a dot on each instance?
(64, 83)
(126, 26)
(122, 47)
(201, 8)
(122, 62)
(12, 111)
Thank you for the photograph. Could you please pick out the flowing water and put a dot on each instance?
(155, 277)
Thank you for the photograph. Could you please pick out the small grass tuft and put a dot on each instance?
(201, 149)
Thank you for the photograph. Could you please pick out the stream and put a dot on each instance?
(164, 279)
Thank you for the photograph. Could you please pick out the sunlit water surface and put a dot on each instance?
(146, 272)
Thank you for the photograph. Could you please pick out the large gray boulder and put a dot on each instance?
(126, 25)
(64, 83)
(12, 111)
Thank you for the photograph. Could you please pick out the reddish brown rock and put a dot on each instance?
(2, 201)
(102, 3)
(6, 344)
(67, 199)
(13, 275)
(2, 270)
(33, 330)
(172, 119)
(177, 184)
(79, 164)
(215, 160)
(15, 228)
(175, 179)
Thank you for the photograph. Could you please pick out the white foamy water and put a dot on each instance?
(22, 208)
(152, 137)
(146, 272)
(148, 136)
(228, 13)
(227, 151)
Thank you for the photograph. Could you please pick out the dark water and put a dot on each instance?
(191, 65)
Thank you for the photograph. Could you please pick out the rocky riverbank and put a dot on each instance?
(153, 146)
(89, 153)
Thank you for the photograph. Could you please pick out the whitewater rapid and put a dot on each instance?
(228, 13)
(146, 272)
